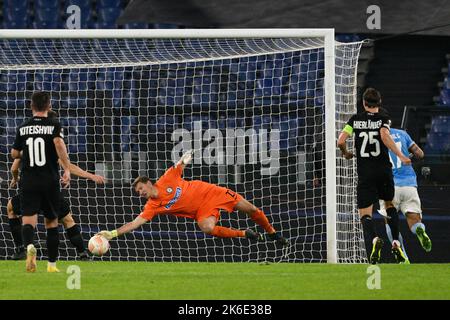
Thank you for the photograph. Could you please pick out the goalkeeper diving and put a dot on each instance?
(197, 200)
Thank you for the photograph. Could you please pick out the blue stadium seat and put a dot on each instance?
(15, 12)
(103, 25)
(54, 4)
(80, 3)
(136, 25)
(445, 96)
(109, 3)
(16, 24)
(47, 24)
(46, 14)
(440, 124)
(438, 143)
(108, 14)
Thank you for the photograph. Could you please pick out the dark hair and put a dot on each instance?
(141, 179)
(372, 97)
(40, 100)
(52, 114)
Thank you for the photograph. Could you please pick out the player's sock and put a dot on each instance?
(223, 232)
(260, 218)
(16, 229)
(52, 244)
(417, 225)
(368, 227)
(27, 234)
(389, 233)
(419, 230)
(400, 238)
(75, 238)
(393, 222)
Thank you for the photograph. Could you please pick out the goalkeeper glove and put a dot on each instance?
(108, 234)
(186, 158)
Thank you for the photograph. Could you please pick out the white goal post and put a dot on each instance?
(133, 100)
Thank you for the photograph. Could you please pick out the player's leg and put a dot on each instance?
(418, 228)
(52, 243)
(413, 209)
(207, 222)
(15, 225)
(258, 216)
(73, 232)
(30, 202)
(366, 195)
(51, 208)
(29, 222)
(400, 239)
(370, 233)
(387, 192)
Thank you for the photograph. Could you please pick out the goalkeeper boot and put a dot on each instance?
(424, 240)
(52, 268)
(84, 256)
(20, 254)
(31, 258)
(375, 256)
(253, 235)
(278, 239)
(398, 253)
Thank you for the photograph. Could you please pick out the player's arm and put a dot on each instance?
(15, 172)
(15, 154)
(77, 171)
(342, 141)
(416, 151)
(126, 228)
(390, 144)
(64, 161)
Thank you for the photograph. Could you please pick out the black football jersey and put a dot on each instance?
(34, 138)
(369, 147)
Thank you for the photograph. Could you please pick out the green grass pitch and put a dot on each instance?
(219, 281)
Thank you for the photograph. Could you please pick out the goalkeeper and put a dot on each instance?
(197, 200)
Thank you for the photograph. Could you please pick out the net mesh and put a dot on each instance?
(253, 109)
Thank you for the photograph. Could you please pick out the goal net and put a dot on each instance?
(254, 109)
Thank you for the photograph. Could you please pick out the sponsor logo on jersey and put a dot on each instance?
(174, 199)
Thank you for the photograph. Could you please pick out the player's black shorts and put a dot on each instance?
(374, 184)
(49, 202)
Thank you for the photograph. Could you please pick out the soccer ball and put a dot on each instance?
(98, 245)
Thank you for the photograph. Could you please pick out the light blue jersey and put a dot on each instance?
(404, 176)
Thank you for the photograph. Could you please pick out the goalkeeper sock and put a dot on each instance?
(74, 235)
(27, 234)
(260, 218)
(393, 222)
(368, 227)
(52, 244)
(16, 229)
(223, 232)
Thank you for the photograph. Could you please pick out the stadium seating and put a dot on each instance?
(262, 80)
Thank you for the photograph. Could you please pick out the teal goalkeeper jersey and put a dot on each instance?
(404, 176)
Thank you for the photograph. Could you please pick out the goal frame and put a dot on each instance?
(329, 83)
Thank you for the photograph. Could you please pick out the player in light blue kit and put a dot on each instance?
(406, 198)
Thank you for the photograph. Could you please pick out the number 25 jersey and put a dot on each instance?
(370, 150)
